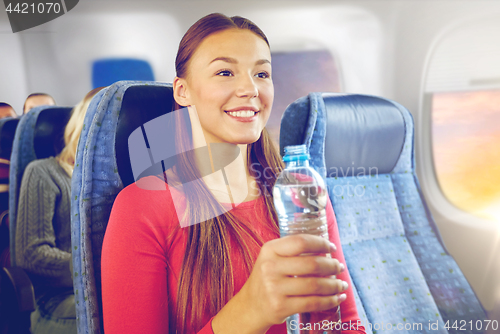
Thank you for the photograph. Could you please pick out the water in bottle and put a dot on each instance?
(300, 200)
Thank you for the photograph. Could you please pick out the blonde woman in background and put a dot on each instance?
(43, 232)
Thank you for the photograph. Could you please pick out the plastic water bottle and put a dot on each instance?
(300, 199)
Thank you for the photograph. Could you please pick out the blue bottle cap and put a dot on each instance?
(296, 153)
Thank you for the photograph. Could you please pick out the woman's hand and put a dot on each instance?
(272, 293)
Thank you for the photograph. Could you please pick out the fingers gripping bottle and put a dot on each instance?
(300, 199)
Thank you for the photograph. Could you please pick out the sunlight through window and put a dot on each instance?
(466, 147)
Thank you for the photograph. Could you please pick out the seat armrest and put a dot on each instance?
(4, 218)
(17, 290)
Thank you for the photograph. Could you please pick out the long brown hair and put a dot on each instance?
(208, 251)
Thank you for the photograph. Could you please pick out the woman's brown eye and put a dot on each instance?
(224, 73)
(263, 75)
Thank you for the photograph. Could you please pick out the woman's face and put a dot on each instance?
(229, 84)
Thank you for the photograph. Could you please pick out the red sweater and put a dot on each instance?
(138, 290)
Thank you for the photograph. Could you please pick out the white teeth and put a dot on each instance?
(242, 113)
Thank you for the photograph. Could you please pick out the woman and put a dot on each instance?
(43, 233)
(203, 256)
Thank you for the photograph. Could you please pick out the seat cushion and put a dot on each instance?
(383, 266)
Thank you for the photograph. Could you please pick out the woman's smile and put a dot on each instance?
(243, 114)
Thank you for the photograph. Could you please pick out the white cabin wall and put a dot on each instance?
(352, 34)
(81, 36)
(13, 85)
(40, 64)
(58, 53)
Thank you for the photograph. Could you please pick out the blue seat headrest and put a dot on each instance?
(369, 130)
(7, 130)
(141, 104)
(49, 131)
(350, 134)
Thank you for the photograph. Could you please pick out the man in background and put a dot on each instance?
(6, 110)
(38, 99)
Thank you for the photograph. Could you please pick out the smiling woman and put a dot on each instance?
(229, 272)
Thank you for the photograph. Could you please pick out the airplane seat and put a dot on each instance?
(38, 135)
(363, 146)
(102, 169)
(7, 129)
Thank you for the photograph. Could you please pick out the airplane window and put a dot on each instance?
(296, 74)
(466, 147)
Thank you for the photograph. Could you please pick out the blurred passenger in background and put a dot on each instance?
(6, 110)
(38, 99)
(4, 204)
(43, 234)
